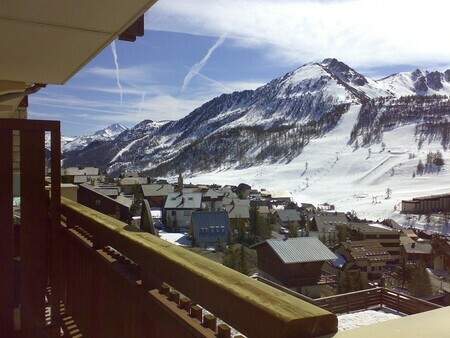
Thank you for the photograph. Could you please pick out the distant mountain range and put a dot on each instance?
(272, 124)
(76, 143)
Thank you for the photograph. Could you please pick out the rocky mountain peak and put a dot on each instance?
(344, 72)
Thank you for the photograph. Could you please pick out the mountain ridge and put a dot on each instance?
(301, 101)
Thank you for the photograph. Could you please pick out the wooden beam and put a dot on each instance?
(6, 235)
(56, 269)
(33, 231)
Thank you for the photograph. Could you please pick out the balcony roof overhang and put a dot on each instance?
(49, 41)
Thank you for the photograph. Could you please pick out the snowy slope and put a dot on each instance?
(247, 137)
(417, 82)
(351, 180)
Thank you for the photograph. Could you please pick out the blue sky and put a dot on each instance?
(194, 51)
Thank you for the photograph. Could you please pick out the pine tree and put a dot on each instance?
(420, 168)
(419, 284)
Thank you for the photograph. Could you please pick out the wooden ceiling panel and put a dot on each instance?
(48, 41)
(96, 15)
(45, 54)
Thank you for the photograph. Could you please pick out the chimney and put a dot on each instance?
(349, 245)
(93, 182)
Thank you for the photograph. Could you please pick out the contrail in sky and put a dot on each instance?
(142, 102)
(199, 65)
(116, 61)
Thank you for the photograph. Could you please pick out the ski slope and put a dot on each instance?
(330, 170)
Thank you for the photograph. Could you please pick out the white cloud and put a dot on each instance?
(139, 74)
(363, 33)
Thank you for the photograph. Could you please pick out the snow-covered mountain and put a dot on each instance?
(323, 131)
(417, 82)
(277, 122)
(107, 134)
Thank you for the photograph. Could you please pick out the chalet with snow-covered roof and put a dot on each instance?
(414, 252)
(295, 263)
(178, 209)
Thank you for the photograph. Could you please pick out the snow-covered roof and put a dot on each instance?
(418, 248)
(178, 200)
(156, 189)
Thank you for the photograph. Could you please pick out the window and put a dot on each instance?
(174, 213)
(97, 203)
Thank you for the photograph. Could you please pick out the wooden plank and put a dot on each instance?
(6, 235)
(56, 243)
(34, 231)
(36, 125)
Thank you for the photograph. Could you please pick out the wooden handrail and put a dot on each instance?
(253, 308)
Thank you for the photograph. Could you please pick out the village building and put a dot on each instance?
(128, 184)
(212, 200)
(369, 255)
(388, 238)
(441, 260)
(178, 210)
(288, 220)
(91, 197)
(79, 175)
(414, 252)
(295, 263)
(308, 208)
(278, 197)
(427, 204)
(210, 228)
(327, 221)
(156, 194)
(264, 212)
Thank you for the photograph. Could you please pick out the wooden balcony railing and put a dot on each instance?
(363, 300)
(113, 272)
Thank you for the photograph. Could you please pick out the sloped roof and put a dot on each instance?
(330, 219)
(208, 218)
(236, 201)
(370, 250)
(288, 215)
(410, 233)
(178, 200)
(122, 201)
(133, 180)
(300, 250)
(212, 194)
(156, 189)
(263, 209)
(373, 228)
(280, 194)
(80, 171)
(418, 248)
(238, 211)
